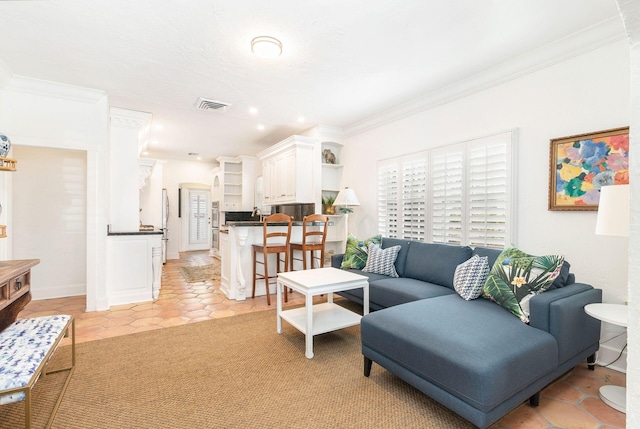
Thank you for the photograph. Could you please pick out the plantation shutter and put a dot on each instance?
(456, 194)
(489, 171)
(388, 186)
(198, 231)
(447, 189)
(414, 198)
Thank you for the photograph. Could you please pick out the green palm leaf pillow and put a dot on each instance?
(516, 277)
(356, 253)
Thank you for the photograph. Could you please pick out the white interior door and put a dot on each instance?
(199, 222)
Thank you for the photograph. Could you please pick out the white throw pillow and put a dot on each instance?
(381, 261)
(470, 277)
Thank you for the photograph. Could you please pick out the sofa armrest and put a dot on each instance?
(561, 313)
(336, 260)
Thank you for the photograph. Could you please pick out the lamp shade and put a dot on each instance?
(346, 197)
(614, 211)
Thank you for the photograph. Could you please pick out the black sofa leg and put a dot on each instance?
(591, 362)
(534, 401)
(367, 366)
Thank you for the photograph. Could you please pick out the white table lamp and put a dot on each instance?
(614, 215)
(346, 198)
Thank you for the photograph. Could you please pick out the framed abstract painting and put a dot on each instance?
(580, 165)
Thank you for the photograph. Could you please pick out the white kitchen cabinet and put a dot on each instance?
(287, 171)
(237, 183)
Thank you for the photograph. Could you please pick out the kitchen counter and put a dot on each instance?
(112, 233)
(258, 223)
(237, 257)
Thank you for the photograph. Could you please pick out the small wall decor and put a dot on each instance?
(580, 165)
(5, 145)
(329, 157)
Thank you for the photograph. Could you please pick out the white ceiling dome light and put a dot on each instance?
(266, 47)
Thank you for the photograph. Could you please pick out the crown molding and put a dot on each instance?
(33, 86)
(576, 44)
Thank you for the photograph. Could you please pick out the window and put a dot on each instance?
(455, 194)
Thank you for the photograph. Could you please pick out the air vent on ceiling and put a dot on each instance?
(208, 104)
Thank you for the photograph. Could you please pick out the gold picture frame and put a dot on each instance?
(580, 165)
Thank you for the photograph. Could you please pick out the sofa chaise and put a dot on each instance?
(472, 356)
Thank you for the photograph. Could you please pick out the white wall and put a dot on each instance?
(630, 11)
(175, 172)
(151, 197)
(583, 94)
(49, 219)
(50, 115)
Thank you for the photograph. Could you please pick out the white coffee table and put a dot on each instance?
(320, 318)
(617, 314)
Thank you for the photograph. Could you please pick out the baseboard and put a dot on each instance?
(40, 292)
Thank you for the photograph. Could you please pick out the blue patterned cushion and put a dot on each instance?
(382, 261)
(23, 346)
(470, 277)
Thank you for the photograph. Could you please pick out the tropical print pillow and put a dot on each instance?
(355, 255)
(516, 277)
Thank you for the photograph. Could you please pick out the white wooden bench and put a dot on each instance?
(26, 346)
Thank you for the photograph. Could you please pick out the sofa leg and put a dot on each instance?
(534, 401)
(591, 362)
(367, 366)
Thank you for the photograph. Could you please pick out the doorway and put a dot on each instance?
(196, 218)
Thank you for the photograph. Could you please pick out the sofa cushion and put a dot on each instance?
(517, 276)
(402, 255)
(435, 263)
(381, 261)
(386, 291)
(355, 255)
(470, 277)
(489, 252)
(474, 350)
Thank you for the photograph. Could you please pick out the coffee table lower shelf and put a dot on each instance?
(327, 317)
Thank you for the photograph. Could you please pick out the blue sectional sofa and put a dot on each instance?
(474, 357)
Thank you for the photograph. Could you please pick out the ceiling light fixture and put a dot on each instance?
(300, 118)
(253, 110)
(266, 47)
(261, 127)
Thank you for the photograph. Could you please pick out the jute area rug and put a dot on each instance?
(200, 273)
(235, 372)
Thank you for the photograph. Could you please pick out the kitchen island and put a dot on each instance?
(236, 238)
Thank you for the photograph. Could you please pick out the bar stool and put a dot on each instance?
(313, 239)
(268, 246)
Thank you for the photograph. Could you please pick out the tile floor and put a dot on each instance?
(571, 402)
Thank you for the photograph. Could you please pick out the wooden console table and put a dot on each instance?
(15, 288)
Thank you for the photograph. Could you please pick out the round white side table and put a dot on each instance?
(616, 314)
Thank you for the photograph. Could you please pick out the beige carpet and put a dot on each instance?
(235, 372)
(200, 273)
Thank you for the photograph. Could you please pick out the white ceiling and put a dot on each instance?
(342, 61)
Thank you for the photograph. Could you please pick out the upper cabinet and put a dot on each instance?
(236, 183)
(287, 171)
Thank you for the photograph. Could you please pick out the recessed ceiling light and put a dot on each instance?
(261, 127)
(145, 153)
(199, 158)
(300, 118)
(253, 110)
(266, 47)
(154, 142)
